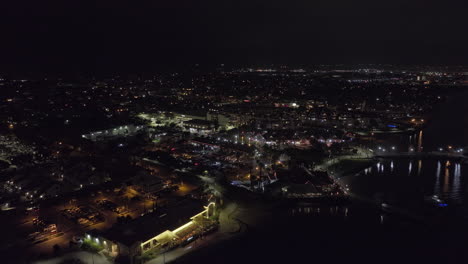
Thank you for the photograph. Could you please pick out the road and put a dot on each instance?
(326, 164)
(86, 257)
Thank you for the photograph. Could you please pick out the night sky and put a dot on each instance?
(139, 35)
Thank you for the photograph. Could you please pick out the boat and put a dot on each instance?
(436, 201)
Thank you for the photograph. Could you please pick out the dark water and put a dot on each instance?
(338, 234)
(413, 230)
(408, 182)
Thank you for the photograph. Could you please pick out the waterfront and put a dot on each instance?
(412, 228)
(337, 234)
(408, 182)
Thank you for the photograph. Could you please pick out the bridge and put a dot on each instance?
(423, 155)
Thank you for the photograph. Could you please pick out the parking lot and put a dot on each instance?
(81, 212)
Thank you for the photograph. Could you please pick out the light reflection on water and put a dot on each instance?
(404, 184)
(436, 184)
(419, 167)
(445, 188)
(456, 180)
(329, 210)
(410, 180)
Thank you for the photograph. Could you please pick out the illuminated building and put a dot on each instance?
(158, 231)
(122, 131)
(198, 126)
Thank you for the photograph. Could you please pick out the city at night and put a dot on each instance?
(153, 132)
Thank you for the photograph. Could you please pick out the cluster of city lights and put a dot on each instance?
(384, 149)
(451, 148)
(411, 149)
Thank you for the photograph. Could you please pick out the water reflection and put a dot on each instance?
(435, 177)
(437, 181)
(419, 167)
(456, 177)
(316, 210)
(378, 166)
(445, 187)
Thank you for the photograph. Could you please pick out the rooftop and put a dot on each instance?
(151, 225)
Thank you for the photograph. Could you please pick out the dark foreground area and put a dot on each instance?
(341, 234)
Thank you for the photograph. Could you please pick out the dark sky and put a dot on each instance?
(133, 35)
